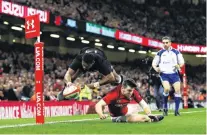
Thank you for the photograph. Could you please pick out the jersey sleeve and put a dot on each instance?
(180, 58)
(105, 67)
(137, 97)
(156, 59)
(111, 96)
(76, 64)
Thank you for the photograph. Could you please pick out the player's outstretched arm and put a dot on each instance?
(106, 79)
(72, 71)
(145, 107)
(68, 76)
(147, 110)
(99, 109)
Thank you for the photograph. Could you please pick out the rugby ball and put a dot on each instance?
(71, 92)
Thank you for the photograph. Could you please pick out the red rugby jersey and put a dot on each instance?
(117, 103)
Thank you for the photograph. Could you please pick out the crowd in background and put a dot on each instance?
(17, 75)
(183, 20)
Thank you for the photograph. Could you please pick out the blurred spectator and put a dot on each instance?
(2, 95)
(18, 83)
(183, 21)
(85, 94)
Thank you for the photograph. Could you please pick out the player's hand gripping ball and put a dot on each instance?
(71, 92)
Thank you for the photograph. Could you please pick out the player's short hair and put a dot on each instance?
(166, 38)
(88, 58)
(129, 83)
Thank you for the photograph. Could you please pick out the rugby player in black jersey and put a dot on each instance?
(92, 59)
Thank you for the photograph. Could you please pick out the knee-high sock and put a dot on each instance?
(177, 101)
(165, 100)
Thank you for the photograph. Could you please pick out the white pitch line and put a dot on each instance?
(66, 121)
(52, 122)
(180, 113)
(188, 112)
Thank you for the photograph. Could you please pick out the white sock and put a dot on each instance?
(165, 94)
(177, 95)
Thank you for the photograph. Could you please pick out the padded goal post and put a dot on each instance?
(184, 87)
(32, 30)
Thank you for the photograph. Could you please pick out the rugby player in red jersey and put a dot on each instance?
(117, 101)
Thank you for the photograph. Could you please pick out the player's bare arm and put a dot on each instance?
(157, 69)
(154, 64)
(69, 76)
(180, 61)
(178, 66)
(145, 107)
(106, 79)
(147, 110)
(99, 109)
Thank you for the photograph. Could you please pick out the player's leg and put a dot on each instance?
(118, 78)
(143, 118)
(132, 118)
(166, 86)
(119, 119)
(160, 93)
(157, 96)
(177, 87)
(137, 118)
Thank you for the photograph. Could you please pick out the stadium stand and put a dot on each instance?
(183, 20)
(17, 75)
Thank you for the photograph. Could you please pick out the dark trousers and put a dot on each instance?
(158, 93)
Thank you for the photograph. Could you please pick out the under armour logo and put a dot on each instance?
(30, 24)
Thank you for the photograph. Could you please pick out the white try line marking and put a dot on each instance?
(182, 112)
(52, 122)
(189, 112)
(66, 121)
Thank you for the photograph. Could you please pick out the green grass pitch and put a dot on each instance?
(191, 121)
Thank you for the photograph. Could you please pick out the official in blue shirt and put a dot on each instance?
(167, 62)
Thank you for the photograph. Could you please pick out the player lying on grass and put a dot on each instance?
(117, 101)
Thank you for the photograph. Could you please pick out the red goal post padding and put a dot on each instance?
(184, 86)
(39, 81)
(32, 30)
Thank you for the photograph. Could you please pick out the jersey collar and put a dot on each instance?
(170, 48)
